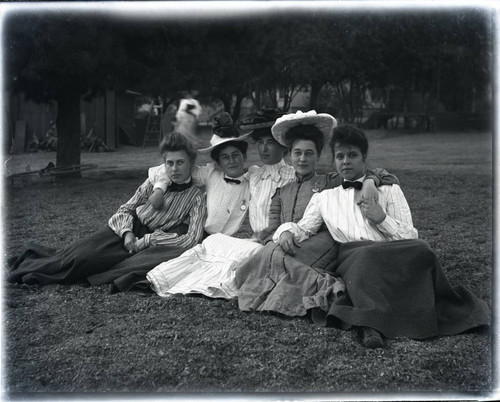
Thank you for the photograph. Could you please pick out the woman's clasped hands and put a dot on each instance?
(132, 243)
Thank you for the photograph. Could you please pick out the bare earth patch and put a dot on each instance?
(75, 339)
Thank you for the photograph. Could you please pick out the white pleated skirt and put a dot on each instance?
(208, 268)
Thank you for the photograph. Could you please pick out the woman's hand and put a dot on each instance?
(156, 199)
(288, 243)
(140, 244)
(368, 191)
(129, 242)
(372, 211)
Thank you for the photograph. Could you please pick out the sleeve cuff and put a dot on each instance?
(283, 228)
(161, 185)
(124, 231)
(388, 225)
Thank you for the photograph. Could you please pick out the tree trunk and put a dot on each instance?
(237, 106)
(314, 95)
(68, 131)
(226, 101)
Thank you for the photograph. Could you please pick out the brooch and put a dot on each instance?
(316, 188)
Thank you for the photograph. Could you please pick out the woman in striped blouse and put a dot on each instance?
(137, 237)
(209, 268)
(395, 283)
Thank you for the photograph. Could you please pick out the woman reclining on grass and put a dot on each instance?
(395, 284)
(137, 235)
(209, 268)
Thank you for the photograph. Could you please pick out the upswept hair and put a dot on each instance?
(261, 132)
(174, 142)
(349, 135)
(305, 132)
(241, 145)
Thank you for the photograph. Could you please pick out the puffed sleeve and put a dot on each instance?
(158, 177)
(333, 179)
(122, 221)
(381, 177)
(200, 174)
(398, 224)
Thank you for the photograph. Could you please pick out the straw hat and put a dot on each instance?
(322, 121)
(223, 130)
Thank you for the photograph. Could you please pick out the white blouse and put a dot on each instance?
(337, 208)
(264, 180)
(227, 203)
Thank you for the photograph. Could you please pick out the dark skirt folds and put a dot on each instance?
(274, 281)
(399, 288)
(100, 258)
(131, 273)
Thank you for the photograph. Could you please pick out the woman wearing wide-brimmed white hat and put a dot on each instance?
(209, 268)
(268, 282)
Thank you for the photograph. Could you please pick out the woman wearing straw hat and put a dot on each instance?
(206, 268)
(395, 284)
(209, 268)
(227, 193)
(268, 281)
(224, 180)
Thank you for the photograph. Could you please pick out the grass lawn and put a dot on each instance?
(74, 339)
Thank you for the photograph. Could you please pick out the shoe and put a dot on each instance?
(113, 289)
(371, 338)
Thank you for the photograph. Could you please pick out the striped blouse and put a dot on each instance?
(290, 201)
(183, 207)
(264, 180)
(227, 203)
(346, 223)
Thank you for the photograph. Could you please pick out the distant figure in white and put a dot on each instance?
(186, 120)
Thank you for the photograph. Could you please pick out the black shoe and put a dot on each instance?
(371, 338)
(113, 289)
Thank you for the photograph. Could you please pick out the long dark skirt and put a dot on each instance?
(274, 281)
(88, 257)
(131, 273)
(399, 288)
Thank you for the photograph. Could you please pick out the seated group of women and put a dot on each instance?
(340, 247)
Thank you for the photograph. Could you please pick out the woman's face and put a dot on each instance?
(349, 161)
(270, 151)
(232, 161)
(177, 166)
(304, 157)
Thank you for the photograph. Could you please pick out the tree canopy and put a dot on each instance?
(65, 55)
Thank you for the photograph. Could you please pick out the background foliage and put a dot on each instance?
(63, 55)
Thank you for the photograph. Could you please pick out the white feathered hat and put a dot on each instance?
(322, 121)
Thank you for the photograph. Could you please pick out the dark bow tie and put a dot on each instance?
(356, 184)
(180, 187)
(228, 180)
